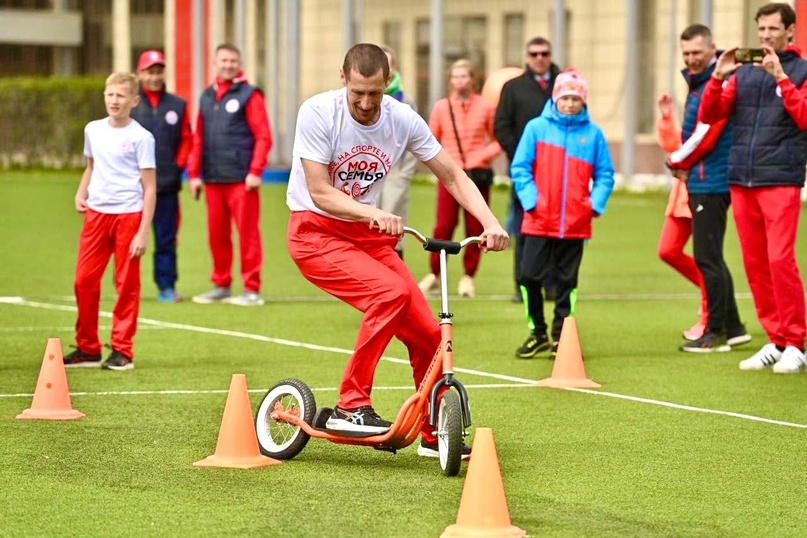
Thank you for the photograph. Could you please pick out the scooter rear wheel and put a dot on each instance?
(449, 433)
(280, 439)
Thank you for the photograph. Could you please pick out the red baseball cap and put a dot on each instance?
(149, 58)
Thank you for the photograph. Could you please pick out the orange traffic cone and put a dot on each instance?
(237, 446)
(569, 371)
(483, 507)
(51, 397)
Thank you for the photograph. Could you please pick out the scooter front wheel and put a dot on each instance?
(277, 438)
(449, 433)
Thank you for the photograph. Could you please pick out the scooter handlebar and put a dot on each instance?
(436, 245)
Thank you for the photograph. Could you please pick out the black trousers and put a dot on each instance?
(708, 231)
(544, 256)
(517, 215)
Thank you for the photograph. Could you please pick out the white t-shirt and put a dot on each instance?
(118, 153)
(359, 157)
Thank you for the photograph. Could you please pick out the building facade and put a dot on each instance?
(294, 49)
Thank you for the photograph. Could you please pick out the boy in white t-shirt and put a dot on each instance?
(345, 143)
(117, 195)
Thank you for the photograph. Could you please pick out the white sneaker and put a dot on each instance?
(762, 359)
(466, 287)
(248, 298)
(430, 284)
(216, 295)
(792, 361)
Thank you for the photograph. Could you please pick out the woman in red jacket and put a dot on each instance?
(463, 123)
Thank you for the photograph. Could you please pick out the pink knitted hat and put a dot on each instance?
(570, 82)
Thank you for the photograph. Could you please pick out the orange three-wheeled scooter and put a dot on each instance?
(287, 416)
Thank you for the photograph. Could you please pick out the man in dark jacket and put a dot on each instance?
(768, 103)
(522, 99)
(230, 145)
(702, 161)
(166, 116)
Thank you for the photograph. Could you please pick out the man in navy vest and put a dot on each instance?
(768, 103)
(165, 116)
(702, 161)
(230, 145)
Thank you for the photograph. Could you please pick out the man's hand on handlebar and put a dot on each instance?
(387, 223)
(495, 238)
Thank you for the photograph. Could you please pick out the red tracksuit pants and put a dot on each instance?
(228, 202)
(105, 235)
(360, 266)
(448, 215)
(767, 220)
(675, 232)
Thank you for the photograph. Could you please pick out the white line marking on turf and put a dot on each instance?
(690, 408)
(492, 297)
(526, 382)
(257, 391)
(249, 336)
(65, 329)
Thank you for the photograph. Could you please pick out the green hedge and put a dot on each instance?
(42, 120)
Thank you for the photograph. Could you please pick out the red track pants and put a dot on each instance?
(448, 215)
(767, 220)
(675, 233)
(360, 266)
(105, 235)
(228, 202)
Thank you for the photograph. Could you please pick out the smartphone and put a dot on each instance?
(749, 56)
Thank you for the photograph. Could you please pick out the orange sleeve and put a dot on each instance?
(669, 134)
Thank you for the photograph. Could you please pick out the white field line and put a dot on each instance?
(582, 296)
(20, 301)
(691, 408)
(62, 329)
(257, 391)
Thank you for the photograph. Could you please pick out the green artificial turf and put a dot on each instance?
(574, 463)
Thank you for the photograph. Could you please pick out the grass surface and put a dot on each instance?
(573, 463)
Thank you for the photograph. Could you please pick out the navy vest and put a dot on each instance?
(165, 123)
(769, 148)
(228, 140)
(709, 175)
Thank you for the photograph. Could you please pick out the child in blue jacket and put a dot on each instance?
(559, 154)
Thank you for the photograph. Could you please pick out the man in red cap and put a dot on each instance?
(165, 116)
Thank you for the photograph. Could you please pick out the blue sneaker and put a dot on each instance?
(168, 295)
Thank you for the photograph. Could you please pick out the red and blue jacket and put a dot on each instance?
(552, 171)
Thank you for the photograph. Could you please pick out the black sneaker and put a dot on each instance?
(533, 345)
(118, 361)
(554, 347)
(79, 359)
(362, 419)
(737, 336)
(429, 450)
(708, 343)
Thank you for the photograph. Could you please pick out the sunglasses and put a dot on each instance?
(544, 53)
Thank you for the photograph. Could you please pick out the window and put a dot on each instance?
(514, 39)
(463, 37)
(391, 34)
(646, 51)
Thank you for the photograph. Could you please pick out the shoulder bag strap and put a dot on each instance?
(456, 134)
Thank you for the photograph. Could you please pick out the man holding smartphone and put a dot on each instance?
(702, 162)
(768, 104)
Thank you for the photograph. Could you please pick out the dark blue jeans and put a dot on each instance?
(166, 225)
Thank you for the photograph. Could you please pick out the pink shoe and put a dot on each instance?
(695, 332)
